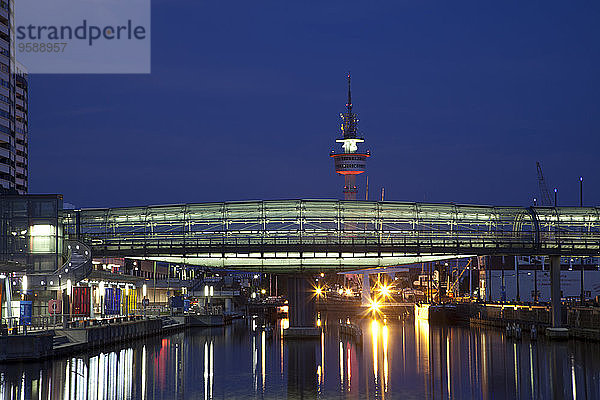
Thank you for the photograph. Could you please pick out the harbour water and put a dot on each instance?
(396, 359)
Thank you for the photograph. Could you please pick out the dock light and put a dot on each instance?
(374, 307)
(205, 290)
(340, 291)
(319, 292)
(253, 295)
(263, 291)
(24, 284)
(385, 290)
(322, 274)
(69, 287)
(319, 322)
(144, 289)
(348, 292)
(2, 276)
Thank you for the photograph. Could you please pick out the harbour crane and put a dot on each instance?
(545, 194)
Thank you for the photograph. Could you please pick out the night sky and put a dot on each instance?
(457, 101)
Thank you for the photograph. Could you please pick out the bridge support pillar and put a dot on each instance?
(555, 291)
(556, 331)
(301, 309)
(365, 297)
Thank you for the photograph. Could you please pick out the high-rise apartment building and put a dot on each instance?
(13, 107)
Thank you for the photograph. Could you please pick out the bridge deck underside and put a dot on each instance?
(350, 229)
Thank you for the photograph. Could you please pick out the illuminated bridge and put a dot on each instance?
(313, 235)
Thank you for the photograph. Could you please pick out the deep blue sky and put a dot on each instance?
(457, 101)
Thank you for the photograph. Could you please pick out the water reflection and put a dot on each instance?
(395, 359)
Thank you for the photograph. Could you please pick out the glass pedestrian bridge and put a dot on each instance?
(311, 235)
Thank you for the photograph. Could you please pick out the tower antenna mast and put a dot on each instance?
(349, 162)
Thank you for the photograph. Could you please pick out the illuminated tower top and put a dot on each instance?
(349, 162)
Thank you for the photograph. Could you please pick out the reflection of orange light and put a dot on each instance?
(385, 336)
(349, 373)
(375, 334)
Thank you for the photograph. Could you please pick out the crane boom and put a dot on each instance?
(545, 194)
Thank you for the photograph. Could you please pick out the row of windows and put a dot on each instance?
(350, 158)
(7, 177)
(343, 166)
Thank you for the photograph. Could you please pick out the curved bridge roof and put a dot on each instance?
(287, 235)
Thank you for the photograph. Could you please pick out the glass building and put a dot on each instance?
(31, 234)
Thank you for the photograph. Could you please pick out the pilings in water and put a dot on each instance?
(557, 331)
(301, 311)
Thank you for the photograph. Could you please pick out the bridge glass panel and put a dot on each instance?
(320, 219)
(328, 226)
(206, 219)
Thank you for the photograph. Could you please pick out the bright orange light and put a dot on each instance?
(319, 322)
(374, 307)
(340, 291)
(385, 290)
(348, 292)
(319, 291)
(322, 274)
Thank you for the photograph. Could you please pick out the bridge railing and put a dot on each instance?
(333, 243)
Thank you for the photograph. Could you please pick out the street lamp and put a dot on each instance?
(126, 300)
(24, 286)
(555, 196)
(144, 291)
(101, 290)
(69, 290)
(581, 191)
(582, 294)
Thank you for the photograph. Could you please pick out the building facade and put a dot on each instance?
(13, 108)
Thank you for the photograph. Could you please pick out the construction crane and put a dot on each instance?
(543, 187)
(454, 286)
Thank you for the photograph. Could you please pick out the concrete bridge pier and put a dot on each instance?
(556, 331)
(301, 308)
